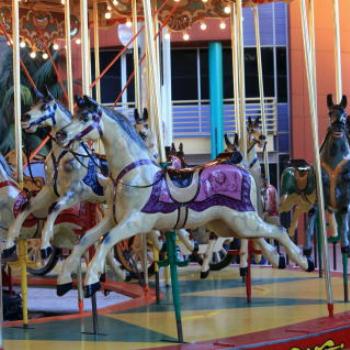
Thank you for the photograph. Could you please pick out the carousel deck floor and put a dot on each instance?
(215, 313)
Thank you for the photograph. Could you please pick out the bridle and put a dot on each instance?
(95, 125)
(50, 115)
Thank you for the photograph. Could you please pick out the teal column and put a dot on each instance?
(216, 99)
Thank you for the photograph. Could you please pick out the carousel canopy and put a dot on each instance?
(187, 12)
(42, 22)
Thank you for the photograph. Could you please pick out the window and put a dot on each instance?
(111, 82)
(184, 74)
(282, 80)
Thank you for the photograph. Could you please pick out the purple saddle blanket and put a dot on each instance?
(214, 185)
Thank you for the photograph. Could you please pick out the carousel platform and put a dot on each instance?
(288, 311)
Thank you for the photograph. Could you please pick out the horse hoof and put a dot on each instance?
(103, 277)
(345, 250)
(46, 252)
(91, 289)
(8, 253)
(310, 265)
(62, 289)
(204, 274)
(282, 262)
(307, 252)
(243, 271)
(128, 277)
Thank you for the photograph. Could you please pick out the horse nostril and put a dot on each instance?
(25, 117)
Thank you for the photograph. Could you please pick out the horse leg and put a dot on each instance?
(243, 258)
(252, 226)
(70, 265)
(115, 266)
(42, 200)
(310, 231)
(207, 257)
(153, 236)
(343, 227)
(130, 226)
(271, 253)
(71, 198)
(184, 238)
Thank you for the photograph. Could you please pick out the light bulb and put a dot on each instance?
(78, 41)
(222, 25)
(32, 54)
(227, 9)
(167, 36)
(108, 15)
(45, 56)
(22, 44)
(186, 37)
(203, 26)
(55, 46)
(128, 23)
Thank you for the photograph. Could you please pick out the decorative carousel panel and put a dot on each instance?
(187, 11)
(39, 29)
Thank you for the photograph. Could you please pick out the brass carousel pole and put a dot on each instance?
(85, 47)
(69, 55)
(241, 72)
(97, 50)
(261, 89)
(137, 83)
(19, 161)
(235, 74)
(310, 65)
(337, 52)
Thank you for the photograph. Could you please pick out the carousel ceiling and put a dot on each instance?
(41, 22)
(187, 11)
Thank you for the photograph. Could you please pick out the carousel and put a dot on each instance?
(100, 204)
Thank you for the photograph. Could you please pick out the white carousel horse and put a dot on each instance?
(71, 178)
(13, 200)
(218, 195)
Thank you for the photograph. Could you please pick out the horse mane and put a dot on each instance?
(125, 124)
(5, 165)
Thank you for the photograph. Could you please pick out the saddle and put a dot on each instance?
(183, 183)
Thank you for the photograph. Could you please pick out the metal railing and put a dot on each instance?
(191, 118)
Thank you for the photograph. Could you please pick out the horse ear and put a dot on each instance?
(90, 102)
(39, 95)
(173, 148)
(136, 116)
(49, 94)
(227, 141)
(181, 147)
(250, 121)
(80, 101)
(330, 103)
(257, 121)
(145, 114)
(236, 140)
(344, 102)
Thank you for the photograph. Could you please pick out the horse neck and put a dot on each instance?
(335, 150)
(120, 149)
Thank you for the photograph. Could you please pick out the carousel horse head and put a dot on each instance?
(143, 129)
(338, 116)
(47, 112)
(91, 124)
(232, 146)
(141, 125)
(255, 135)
